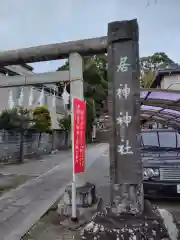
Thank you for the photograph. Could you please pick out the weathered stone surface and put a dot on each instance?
(128, 198)
(108, 226)
(124, 93)
(85, 195)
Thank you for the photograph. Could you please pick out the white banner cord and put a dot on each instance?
(41, 98)
(31, 97)
(65, 96)
(10, 100)
(54, 98)
(21, 97)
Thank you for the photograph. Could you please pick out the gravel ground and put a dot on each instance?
(49, 228)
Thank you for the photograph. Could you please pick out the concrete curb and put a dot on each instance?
(170, 224)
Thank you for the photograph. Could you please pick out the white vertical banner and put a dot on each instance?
(65, 97)
(54, 98)
(41, 98)
(31, 97)
(21, 97)
(10, 100)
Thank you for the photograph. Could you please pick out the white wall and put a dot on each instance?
(4, 96)
(171, 82)
(47, 101)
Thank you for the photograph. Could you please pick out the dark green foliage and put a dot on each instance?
(65, 123)
(16, 118)
(149, 66)
(41, 119)
(95, 89)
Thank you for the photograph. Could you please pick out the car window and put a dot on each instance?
(178, 140)
(167, 139)
(149, 139)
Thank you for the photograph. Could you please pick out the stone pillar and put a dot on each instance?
(124, 93)
(128, 217)
(85, 192)
(76, 88)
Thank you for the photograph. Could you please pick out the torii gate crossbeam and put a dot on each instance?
(55, 51)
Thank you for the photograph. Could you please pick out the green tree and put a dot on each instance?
(95, 86)
(42, 120)
(149, 66)
(96, 83)
(95, 78)
(89, 118)
(147, 78)
(17, 119)
(65, 123)
(6, 119)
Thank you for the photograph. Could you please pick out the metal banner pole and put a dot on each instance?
(74, 216)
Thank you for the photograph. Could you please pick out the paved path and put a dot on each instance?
(22, 207)
(45, 229)
(40, 166)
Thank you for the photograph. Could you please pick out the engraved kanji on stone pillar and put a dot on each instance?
(123, 73)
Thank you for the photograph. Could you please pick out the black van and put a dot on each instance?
(160, 152)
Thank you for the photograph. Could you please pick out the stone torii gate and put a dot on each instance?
(126, 217)
(123, 70)
(121, 44)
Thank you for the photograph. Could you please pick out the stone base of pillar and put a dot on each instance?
(85, 195)
(85, 198)
(106, 225)
(128, 198)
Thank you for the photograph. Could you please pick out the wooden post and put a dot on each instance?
(124, 93)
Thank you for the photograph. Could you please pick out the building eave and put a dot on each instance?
(162, 73)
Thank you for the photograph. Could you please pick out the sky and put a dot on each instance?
(26, 23)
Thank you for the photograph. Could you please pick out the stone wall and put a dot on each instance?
(35, 143)
(103, 134)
